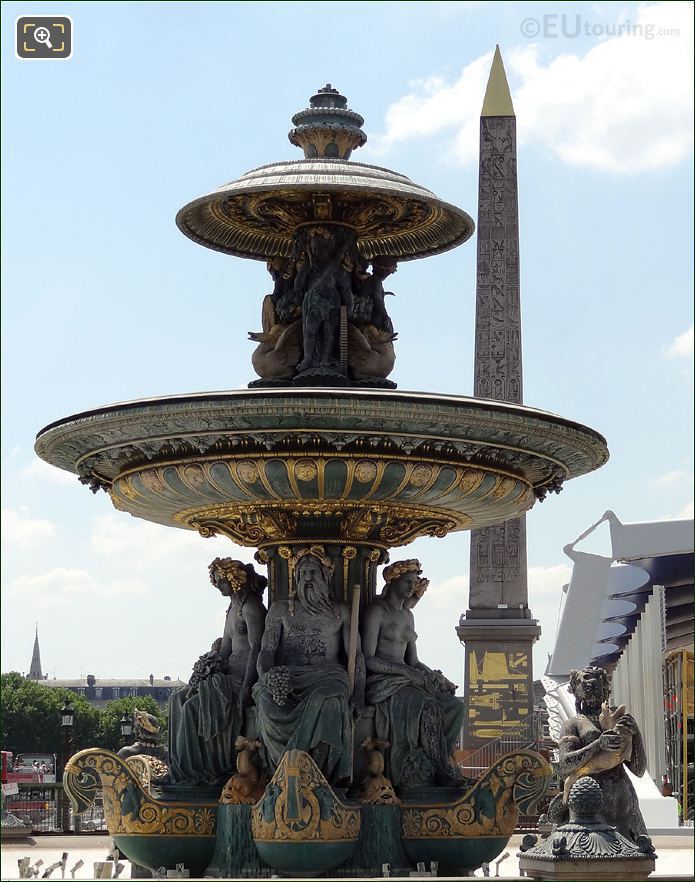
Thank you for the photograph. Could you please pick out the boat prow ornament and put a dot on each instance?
(300, 826)
(150, 831)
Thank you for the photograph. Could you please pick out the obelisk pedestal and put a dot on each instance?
(497, 629)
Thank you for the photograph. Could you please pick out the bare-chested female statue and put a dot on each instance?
(595, 743)
(303, 694)
(416, 710)
(206, 717)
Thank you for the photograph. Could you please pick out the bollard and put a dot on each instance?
(499, 861)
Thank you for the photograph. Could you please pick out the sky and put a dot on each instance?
(104, 300)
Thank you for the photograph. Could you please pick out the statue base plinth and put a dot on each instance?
(586, 848)
(585, 870)
(498, 677)
(493, 624)
(316, 377)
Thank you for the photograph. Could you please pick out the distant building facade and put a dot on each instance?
(99, 692)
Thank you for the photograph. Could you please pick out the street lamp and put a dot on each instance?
(126, 725)
(67, 717)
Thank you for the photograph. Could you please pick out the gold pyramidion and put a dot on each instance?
(498, 100)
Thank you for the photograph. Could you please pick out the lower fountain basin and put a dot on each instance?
(462, 834)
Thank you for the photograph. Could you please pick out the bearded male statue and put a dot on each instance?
(599, 741)
(303, 698)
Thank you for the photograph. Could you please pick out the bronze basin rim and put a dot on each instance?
(450, 225)
(391, 396)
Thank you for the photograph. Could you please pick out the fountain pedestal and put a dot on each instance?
(586, 848)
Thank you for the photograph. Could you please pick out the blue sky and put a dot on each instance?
(104, 300)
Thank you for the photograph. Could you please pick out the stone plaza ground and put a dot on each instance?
(675, 856)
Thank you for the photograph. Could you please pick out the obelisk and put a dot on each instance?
(497, 629)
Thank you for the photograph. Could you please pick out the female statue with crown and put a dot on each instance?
(206, 717)
(416, 710)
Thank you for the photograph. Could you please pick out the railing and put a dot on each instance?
(47, 809)
(526, 735)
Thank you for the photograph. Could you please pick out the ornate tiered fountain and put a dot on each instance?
(331, 738)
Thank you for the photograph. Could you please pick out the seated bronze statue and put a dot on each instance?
(303, 695)
(206, 717)
(416, 709)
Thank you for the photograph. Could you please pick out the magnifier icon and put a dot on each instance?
(43, 35)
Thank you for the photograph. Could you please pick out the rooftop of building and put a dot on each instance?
(82, 683)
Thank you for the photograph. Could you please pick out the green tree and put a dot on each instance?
(110, 728)
(31, 717)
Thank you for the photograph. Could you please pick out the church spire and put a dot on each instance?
(35, 672)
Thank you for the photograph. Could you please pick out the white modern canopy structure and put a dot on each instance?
(627, 611)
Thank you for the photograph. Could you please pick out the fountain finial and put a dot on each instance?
(327, 129)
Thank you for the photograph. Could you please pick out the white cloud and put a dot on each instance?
(434, 107)
(545, 596)
(682, 346)
(624, 106)
(143, 547)
(670, 479)
(436, 617)
(547, 582)
(21, 530)
(62, 586)
(685, 514)
(142, 542)
(453, 591)
(41, 470)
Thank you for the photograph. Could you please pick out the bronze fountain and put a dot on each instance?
(332, 739)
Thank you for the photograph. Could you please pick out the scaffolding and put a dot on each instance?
(679, 703)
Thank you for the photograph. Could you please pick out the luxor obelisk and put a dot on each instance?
(497, 629)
